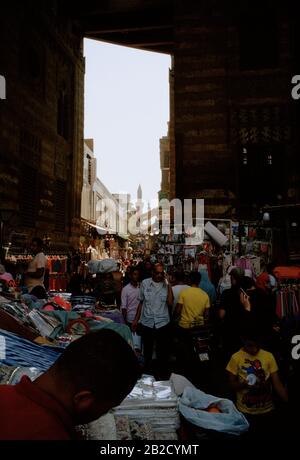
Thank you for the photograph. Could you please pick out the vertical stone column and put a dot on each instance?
(78, 146)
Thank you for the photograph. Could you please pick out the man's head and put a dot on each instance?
(251, 340)
(95, 374)
(179, 277)
(134, 275)
(236, 275)
(108, 277)
(158, 273)
(148, 265)
(195, 278)
(36, 245)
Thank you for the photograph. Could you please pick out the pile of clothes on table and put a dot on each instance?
(61, 317)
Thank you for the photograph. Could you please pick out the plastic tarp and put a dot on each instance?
(193, 405)
(65, 317)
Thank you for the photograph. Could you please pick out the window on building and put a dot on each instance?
(63, 113)
(166, 162)
(28, 196)
(258, 37)
(32, 65)
(245, 157)
(89, 170)
(60, 206)
(261, 174)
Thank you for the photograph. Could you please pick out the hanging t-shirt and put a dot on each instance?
(256, 370)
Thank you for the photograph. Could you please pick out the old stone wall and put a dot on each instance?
(41, 120)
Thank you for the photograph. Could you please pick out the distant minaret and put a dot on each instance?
(139, 203)
(139, 193)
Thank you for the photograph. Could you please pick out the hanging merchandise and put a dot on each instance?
(256, 264)
(288, 302)
(57, 266)
(215, 234)
(249, 263)
(287, 272)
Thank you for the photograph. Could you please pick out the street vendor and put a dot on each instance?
(35, 275)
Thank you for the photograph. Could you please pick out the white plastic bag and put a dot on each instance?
(137, 341)
(192, 406)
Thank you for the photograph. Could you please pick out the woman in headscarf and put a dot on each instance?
(207, 286)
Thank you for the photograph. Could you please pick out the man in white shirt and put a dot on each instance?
(153, 314)
(34, 279)
(179, 286)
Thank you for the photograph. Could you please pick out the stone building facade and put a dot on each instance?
(41, 120)
(165, 167)
(89, 196)
(235, 137)
(233, 129)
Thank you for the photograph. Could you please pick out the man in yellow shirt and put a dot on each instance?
(193, 304)
(191, 310)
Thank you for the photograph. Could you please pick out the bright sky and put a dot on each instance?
(126, 113)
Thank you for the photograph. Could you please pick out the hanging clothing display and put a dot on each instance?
(57, 264)
(288, 302)
(250, 263)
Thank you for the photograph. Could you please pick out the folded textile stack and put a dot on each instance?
(82, 304)
(65, 295)
(152, 403)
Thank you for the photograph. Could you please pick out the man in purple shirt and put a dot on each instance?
(129, 296)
